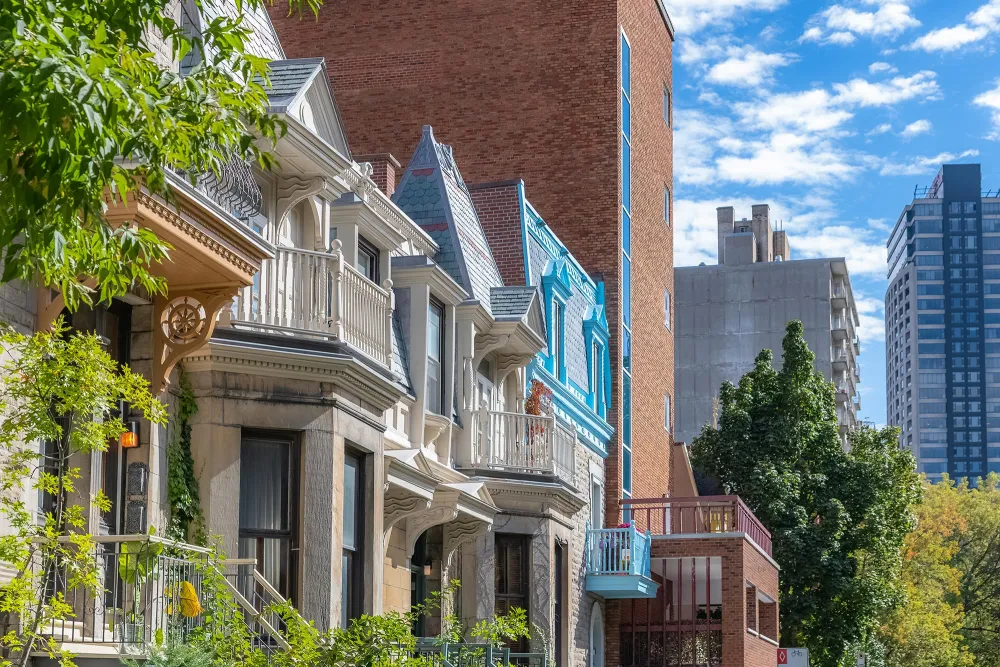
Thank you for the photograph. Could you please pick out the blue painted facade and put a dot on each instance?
(581, 384)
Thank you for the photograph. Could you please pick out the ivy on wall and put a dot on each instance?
(186, 519)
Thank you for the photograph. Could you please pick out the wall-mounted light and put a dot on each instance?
(427, 567)
(130, 438)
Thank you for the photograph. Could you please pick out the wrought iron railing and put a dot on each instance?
(151, 588)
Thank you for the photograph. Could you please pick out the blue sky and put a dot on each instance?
(831, 112)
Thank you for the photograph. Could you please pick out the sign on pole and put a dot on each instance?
(793, 657)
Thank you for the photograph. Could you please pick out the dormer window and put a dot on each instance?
(368, 259)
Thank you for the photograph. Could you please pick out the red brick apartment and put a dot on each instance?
(574, 98)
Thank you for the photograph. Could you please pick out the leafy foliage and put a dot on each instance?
(186, 518)
(838, 518)
(926, 631)
(91, 113)
(62, 389)
(952, 574)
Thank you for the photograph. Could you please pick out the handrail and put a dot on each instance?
(618, 551)
(257, 616)
(699, 515)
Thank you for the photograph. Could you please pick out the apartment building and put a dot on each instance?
(940, 317)
(726, 314)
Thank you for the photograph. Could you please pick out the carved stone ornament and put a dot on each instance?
(183, 323)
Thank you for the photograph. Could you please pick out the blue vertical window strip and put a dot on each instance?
(626, 304)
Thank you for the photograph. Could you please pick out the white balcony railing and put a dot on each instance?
(523, 443)
(317, 293)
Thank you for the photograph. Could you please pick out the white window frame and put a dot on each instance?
(666, 412)
(667, 201)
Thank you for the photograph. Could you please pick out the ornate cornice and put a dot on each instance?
(186, 228)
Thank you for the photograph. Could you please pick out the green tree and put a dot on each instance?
(837, 518)
(64, 390)
(89, 114)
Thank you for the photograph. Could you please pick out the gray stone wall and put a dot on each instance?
(725, 315)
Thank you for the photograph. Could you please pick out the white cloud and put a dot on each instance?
(921, 164)
(840, 24)
(991, 100)
(883, 224)
(747, 67)
(871, 316)
(878, 67)
(879, 129)
(691, 52)
(786, 158)
(695, 137)
(916, 128)
(809, 110)
(860, 92)
(977, 25)
(690, 16)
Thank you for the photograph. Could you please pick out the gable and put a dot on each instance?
(316, 108)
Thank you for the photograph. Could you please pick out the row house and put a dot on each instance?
(398, 387)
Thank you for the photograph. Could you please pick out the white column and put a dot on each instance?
(419, 303)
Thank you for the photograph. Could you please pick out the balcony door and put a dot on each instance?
(269, 507)
(512, 577)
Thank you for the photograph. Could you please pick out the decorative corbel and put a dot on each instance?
(50, 303)
(434, 515)
(294, 189)
(508, 363)
(463, 531)
(486, 343)
(183, 322)
(398, 507)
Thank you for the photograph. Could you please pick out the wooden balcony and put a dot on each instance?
(520, 443)
(310, 293)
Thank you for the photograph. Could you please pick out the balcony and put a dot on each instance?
(617, 562)
(839, 325)
(704, 515)
(310, 293)
(518, 443)
(840, 358)
(839, 295)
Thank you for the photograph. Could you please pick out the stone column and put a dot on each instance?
(322, 522)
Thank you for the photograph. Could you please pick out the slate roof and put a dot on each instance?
(434, 195)
(288, 77)
(511, 302)
(263, 40)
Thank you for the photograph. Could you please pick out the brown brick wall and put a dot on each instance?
(499, 209)
(741, 562)
(652, 246)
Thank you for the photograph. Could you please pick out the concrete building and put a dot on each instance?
(727, 314)
(941, 317)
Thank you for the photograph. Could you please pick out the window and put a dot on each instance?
(368, 260)
(268, 523)
(626, 305)
(558, 367)
(666, 308)
(597, 378)
(666, 413)
(596, 503)
(352, 576)
(511, 581)
(667, 110)
(666, 206)
(435, 355)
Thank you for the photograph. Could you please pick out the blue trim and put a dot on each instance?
(522, 206)
(594, 431)
(621, 586)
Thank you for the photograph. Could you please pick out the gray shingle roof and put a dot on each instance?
(434, 195)
(288, 77)
(263, 40)
(511, 302)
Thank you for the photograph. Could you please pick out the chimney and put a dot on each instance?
(384, 168)
(725, 216)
